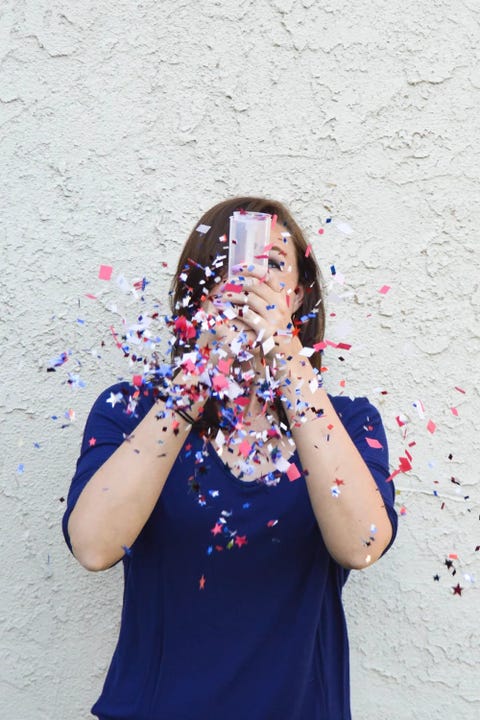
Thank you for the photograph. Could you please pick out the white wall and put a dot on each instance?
(120, 122)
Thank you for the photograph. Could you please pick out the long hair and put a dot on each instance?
(203, 263)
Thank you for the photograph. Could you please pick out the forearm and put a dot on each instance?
(119, 498)
(345, 498)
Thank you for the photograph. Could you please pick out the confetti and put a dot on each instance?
(293, 472)
(384, 289)
(105, 272)
(374, 443)
(245, 448)
(344, 227)
(431, 427)
(268, 345)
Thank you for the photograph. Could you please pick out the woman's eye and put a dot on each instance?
(272, 263)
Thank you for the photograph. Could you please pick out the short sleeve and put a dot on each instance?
(114, 415)
(364, 425)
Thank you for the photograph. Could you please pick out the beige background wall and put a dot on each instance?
(120, 122)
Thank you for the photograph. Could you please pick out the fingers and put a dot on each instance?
(257, 276)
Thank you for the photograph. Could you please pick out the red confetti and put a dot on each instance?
(454, 411)
(293, 472)
(374, 443)
(92, 441)
(115, 337)
(245, 448)
(232, 287)
(460, 390)
(384, 289)
(405, 465)
(308, 251)
(241, 540)
(201, 583)
(224, 365)
(105, 272)
(219, 382)
(431, 427)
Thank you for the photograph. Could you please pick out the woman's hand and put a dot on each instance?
(263, 302)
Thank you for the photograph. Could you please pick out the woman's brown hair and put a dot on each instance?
(191, 285)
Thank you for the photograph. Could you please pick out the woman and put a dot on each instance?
(238, 495)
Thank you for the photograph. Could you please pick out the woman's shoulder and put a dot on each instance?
(363, 423)
(346, 406)
(124, 401)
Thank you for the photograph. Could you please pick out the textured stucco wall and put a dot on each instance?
(119, 123)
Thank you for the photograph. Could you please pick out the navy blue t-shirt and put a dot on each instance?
(232, 604)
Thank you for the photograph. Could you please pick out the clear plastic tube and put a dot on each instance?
(249, 234)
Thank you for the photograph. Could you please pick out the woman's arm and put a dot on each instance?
(357, 515)
(117, 501)
(349, 520)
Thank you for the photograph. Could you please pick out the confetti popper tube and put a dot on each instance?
(249, 234)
